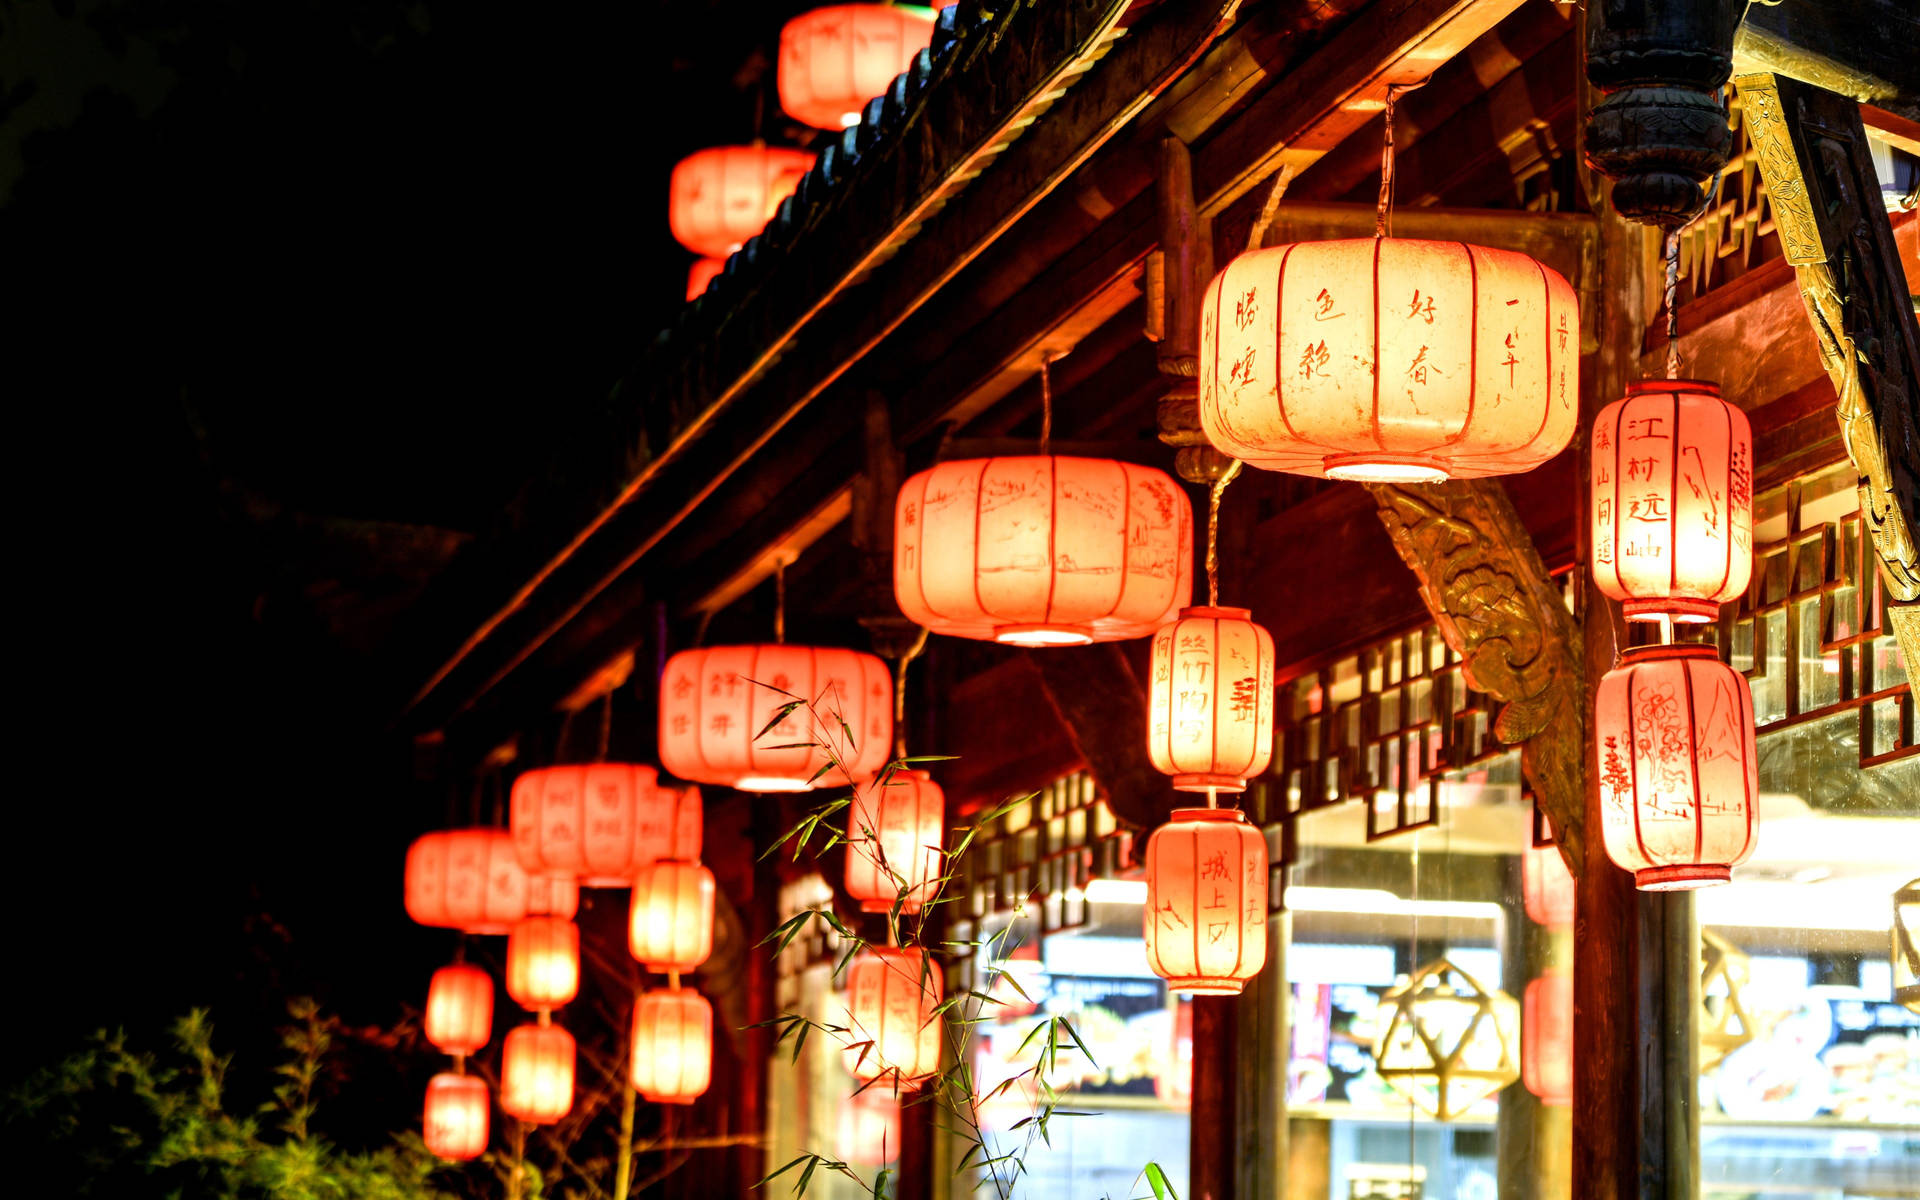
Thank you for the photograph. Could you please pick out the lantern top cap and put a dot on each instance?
(1051, 458)
(900, 773)
(1209, 814)
(1216, 613)
(1676, 650)
(1640, 387)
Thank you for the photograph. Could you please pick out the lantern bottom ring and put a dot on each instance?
(770, 783)
(1209, 783)
(1682, 878)
(650, 1098)
(654, 968)
(1043, 635)
(1386, 468)
(907, 909)
(1681, 609)
(1204, 985)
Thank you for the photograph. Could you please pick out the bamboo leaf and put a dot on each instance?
(1157, 1180)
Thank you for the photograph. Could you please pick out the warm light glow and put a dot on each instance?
(1547, 887)
(895, 832)
(1116, 891)
(1389, 360)
(1906, 945)
(459, 1017)
(471, 880)
(454, 1124)
(715, 702)
(1205, 922)
(701, 273)
(721, 196)
(601, 822)
(834, 59)
(672, 1045)
(1678, 772)
(670, 925)
(1382, 903)
(892, 1030)
(1042, 551)
(1210, 700)
(870, 1128)
(1546, 1044)
(536, 1074)
(1444, 1041)
(1672, 502)
(543, 962)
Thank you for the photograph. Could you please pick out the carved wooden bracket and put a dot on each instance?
(1834, 229)
(1103, 704)
(1490, 593)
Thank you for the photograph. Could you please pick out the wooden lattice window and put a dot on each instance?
(1042, 852)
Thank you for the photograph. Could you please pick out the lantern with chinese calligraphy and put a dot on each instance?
(454, 1125)
(1906, 945)
(1210, 715)
(1678, 773)
(1042, 551)
(1206, 917)
(601, 822)
(702, 273)
(536, 1074)
(1444, 1041)
(834, 59)
(1547, 887)
(721, 196)
(543, 962)
(672, 1045)
(471, 880)
(895, 831)
(715, 702)
(459, 1016)
(1672, 501)
(893, 1030)
(671, 922)
(1389, 359)
(870, 1128)
(1546, 1038)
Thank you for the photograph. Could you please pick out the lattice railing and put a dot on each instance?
(1042, 853)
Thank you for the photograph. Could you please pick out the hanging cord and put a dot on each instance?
(606, 724)
(1046, 402)
(900, 693)
(780, 600)
(1213, 530)
(1382, 215)
(1673, 303)
(1257, 236)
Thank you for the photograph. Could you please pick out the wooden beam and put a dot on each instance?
(1863, 49)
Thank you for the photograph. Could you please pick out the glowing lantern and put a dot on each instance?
(1906, 945)
(543, 962)
(454, 1124)
(1672, 501)
(1206, 917)
(671, 925)
(1042, 551)
(1478, 353)
(724, 195)
(1210, 720)
(672, 1045)
(907, 812)
(471, 879)
(536, 1074)
(893, 1030)
(870, 1128)
(702, 273)
(601, 822)
(1678, 773)
(459, 1009)
(1546, 1038)
(714, 703)
(1547, 887)
(1444, 1041)
(834, 59)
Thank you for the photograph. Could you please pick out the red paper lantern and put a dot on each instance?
(1206, 917)
(1678, 773)
(1547, 887)
(1478, 353)
(870, 1128)
(454, 1124)
(1042, 551)
(459, 1009)
(908, 813)
(601, 822)
(702, 273)
(724, 195)
(893, 1031)
(834, 59)
(471, 879)
(543, 962)
(1546, 1038)
(672, 1045)
(1210, 719)
(536, 1074)
(714, 703)
(671, 921)
(1672, 501)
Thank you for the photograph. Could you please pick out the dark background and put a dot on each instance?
(298, 294)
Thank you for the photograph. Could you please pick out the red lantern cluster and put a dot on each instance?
(471, 880)
(721, 196)
(1205, 922)
(599, 823)
(893, 1028)
(459, 1017)
(1210, 700)
(834, 59)
(672, 1045)
(459, 1020)
(536, 1074)
(895, 833)
(454, 1124)
(670, 925)
(1546, 1038)
(543, 962)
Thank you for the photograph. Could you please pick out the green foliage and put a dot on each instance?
(114, 1121)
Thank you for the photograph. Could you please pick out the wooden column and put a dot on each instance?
(1216, 1072)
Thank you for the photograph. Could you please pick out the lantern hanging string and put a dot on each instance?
(1382, 213)
(1213, 530)
(606, 724)
(1673, 303)
(1046, 403)
(673, 980)
(780, 600)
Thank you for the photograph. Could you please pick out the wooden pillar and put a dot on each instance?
(1212, 1137)
(1265, 1037)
